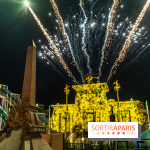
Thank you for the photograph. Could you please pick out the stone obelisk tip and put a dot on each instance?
(32, 43)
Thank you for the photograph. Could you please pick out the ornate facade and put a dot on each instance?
(92, 105)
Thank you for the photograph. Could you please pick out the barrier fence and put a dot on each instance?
(140, 145)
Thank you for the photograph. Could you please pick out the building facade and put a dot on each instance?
(92, 105)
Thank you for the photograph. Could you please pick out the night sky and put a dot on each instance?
(18, 28)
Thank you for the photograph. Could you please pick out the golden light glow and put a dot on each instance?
(92, 105)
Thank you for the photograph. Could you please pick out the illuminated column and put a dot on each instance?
(66, 90)
(29, 83)
(116, 88)
(29, 89)
(49, 131)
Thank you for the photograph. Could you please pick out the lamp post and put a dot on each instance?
(49, 130)
(66, 90)
(116, 88)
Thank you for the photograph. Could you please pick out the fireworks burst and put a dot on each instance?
(53, 46)
(64, 33)
(109, 32)
(129, 39)
(93, 43)
(83, 26)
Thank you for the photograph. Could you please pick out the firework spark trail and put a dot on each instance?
(134, 60)
(93, 7)
(137, 57)
(56, 69)
(64, 33)
(83, 37)
(109, 32)
(53, 45)
(51, 56)
(128, 40)
(119, 37)
(130, 50)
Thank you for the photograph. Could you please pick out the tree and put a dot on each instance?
(18, 116)
(42, 110)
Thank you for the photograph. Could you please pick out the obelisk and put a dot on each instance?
(29, 89)
(29, 83)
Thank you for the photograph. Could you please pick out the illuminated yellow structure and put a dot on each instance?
(92, 105)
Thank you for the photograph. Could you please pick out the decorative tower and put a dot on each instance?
(29, 84)
(29, 88)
